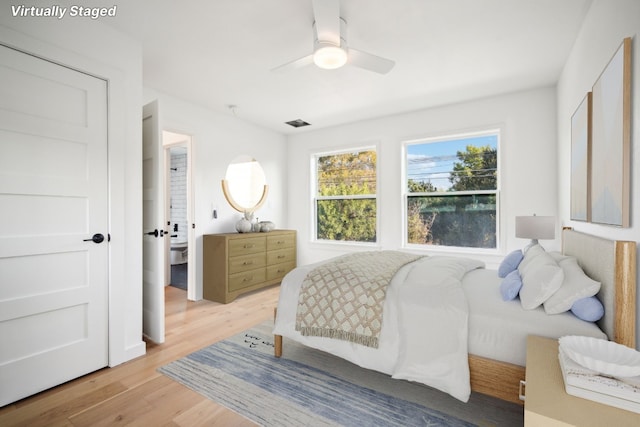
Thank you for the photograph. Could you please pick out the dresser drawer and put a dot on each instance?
(279, 256)
(278, 271)
(280, 241)
(251, 245)
(239, 264)
(247, 278)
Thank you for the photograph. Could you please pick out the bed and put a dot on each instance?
(495, 354)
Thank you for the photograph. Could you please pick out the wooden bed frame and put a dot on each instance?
(613, 264)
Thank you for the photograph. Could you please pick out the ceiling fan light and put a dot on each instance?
(329, 57)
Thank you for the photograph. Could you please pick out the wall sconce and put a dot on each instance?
(536, 227)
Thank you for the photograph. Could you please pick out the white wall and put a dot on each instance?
(527, 164)
(90, 46)
(606, 25)
(178, 196)
(217, 139)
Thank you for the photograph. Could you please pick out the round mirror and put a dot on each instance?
(244, 185)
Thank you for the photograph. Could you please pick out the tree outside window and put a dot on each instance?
(452, 191)
(345, 196)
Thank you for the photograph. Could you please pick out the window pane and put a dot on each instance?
(465, 164)
(347, 174)
(462, 221)
(347, 220)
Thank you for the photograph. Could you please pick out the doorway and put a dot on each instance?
(179, 248)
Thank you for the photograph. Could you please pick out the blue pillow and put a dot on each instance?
(510, 263)
(589, 309)
(510, 286)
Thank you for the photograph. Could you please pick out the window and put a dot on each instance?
(451, 191)
(345, 196)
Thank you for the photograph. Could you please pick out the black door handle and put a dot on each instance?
(96, 238)
(153, 233)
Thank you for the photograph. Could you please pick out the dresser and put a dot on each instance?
(235, 263)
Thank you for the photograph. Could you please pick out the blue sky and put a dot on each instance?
(432, 161)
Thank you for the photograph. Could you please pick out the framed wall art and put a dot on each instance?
(611, 141)
(581, 161)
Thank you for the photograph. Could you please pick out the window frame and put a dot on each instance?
(488, 131)
(314, 156)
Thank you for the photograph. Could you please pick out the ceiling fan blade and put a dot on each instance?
(294, 65)
(327, 16)
(369, 61)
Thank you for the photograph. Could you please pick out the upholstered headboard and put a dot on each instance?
(613, 264)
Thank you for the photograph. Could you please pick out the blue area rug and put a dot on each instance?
(309, 387)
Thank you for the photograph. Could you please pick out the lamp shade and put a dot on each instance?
(536, 227)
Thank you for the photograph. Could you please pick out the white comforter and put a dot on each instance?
(422, 294)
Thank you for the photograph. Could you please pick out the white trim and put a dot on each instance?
(455, 135)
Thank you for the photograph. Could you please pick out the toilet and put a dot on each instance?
(178, 252)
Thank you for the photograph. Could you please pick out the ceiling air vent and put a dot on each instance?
(297, 123)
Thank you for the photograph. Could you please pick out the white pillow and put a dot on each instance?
(541, 277)
(576, 285)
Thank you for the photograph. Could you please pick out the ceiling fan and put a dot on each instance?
(330, 49)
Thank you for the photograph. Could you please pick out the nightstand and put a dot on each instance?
(548, 404)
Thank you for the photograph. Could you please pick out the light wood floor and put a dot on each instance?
(134, 393)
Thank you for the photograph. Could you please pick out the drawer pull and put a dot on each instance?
(522, 387)
(248, 246)
(281, 256)
(281, 242)
(247, 263)
(247, 279)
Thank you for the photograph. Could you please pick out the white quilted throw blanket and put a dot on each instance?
(343, 298)
(433, 318)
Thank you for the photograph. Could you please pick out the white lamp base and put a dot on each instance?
(532, 243)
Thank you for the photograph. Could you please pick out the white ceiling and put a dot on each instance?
(216, 53)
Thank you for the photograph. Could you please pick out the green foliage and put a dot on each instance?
(347, 220)
(461, 221)
(477, 169)
(420, 187)
(348, 174)
(418, 229)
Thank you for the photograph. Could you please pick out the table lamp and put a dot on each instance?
(535, 227)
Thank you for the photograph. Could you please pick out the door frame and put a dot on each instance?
(191, 248)
(124, 154)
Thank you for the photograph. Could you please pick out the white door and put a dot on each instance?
(53, 199)
(153, 225)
